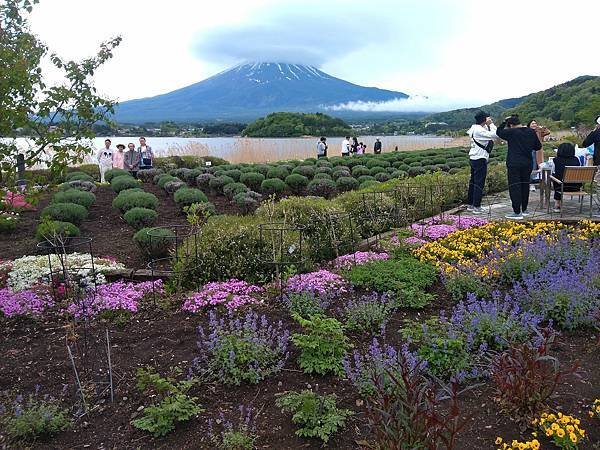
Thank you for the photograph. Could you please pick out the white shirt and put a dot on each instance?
(483, 135)
(345, 146)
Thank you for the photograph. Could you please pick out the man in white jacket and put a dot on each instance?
(482, 135)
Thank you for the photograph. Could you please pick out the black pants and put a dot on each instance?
(477, 181)
(518, 187)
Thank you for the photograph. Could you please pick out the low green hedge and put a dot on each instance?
(296, 182)
(123, 182)
(83, 198)
(79, 176)
(272, 186)
(65, 212)
(129, 199)
(51, 229)
(140, 217)
(252, 179)
(188, 196)
(114, 173)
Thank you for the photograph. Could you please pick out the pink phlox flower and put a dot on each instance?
(232, 294)
(321, 282)
(23, 303)
(357, 259)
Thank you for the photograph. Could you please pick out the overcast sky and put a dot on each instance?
(460, 52)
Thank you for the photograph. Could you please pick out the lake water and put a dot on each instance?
(249, 150)
(238, 149)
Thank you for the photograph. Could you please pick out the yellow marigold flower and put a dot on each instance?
(534, 434)
(560, 415)
(573, 438)
(560, 432)
(555, 426)
(570, 428)
(549, 432)
(591, 413)
(535, 444)
(498, 440)
(522, 446)
(551, 417)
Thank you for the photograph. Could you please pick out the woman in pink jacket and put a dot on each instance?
(119, 157)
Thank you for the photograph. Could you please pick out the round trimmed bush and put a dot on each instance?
(414, 171)
(306, 171)
(272, 186)
(308, 162)
(415, 164)
(114, 173)
(190, 177)
(147, 175)
(364, 178)
(140, 217)
(82, 185)
(296, 182)
(187, 196)
(377, 162)
(262, 168)
(341, 174)
(341, 167)
(247, 201)
(399, 174)
(164, 179)
(322, 176)
(123, 182)
(65, 212)
(326, 170)
(377, 169)
(79, 176)
(233, 173)
(218, 183)
(277, 172)
(344, 184)
(203, 180)
(131, 198)
(323, 163)
(454, 170)
(157, 245)
(359, 171)
(173, 186)
(252, 179)
(232, 189)
(322, 188)
(47, 230)
(382, 177)
(368, 183)
(85, 199)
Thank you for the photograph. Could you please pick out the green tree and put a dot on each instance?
(59, 117)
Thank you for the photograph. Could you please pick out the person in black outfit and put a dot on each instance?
(565, 156)
(521, 141)
(377, 147)
(594, 138)
(354, 145)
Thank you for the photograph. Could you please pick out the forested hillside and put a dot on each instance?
(284, 124)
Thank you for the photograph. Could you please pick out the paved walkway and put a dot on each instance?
(498, 205)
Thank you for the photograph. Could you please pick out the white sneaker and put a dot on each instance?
(525, 214)
(532, 188)
(556, 210)
(514, 216)
(478, 210)
(470, 208)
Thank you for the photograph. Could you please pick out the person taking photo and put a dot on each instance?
(482, 134)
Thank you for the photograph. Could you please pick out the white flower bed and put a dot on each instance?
(28, 271)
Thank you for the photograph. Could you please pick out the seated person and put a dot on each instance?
(564, 157)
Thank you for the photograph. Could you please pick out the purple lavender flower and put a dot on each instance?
(23, 303)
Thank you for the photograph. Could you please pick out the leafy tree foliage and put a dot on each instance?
(60, 116)
(285, 124)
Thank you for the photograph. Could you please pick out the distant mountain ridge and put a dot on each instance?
(249, 91)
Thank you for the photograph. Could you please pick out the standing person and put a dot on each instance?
(377, 147)
(538, 157)
(132, 159)
(322, 148)
(119, 157)
(482, 134)
(360, 149)
(346, 146)
(594, 139)
(105, 158)
(146, 155)
(521, 141)
(354, 145)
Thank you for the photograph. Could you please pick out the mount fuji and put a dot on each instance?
(251, 90)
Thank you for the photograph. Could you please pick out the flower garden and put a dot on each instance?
(443, 332)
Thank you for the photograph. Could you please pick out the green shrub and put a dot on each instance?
(186, 196)
(164, 179)
(123, 182)
(8, 223)
(364, 178)
(377, 162)
(414, 171)
(233, 173)
(272, 186)
(140, 217)
(49, 230)
(326, 170)
(323, 348)
(65, 212)
(247, 200)
(232, 189)
(359, 171)
(277, 172)
(90, 169)
(87, 186)
(304, 304)
(399, 174)
(203, 180)
(375, 170)
(403, 277)
(173, 186)
(133, 198)
(36, 419)
(306, 171)
(217, 184)
(262, 169)
(344, 184)
(323, 163)
(85, 199)
(322, 176)
(114, 173)
(322, 188)
(147, 175)
(316, 415)
(157, 245)
(296, 182)
(252, 179)
(341, 174)
(382, 177)
(79, 176)
(173, 403)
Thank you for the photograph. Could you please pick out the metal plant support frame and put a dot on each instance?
(183, 254)
(273, 237)
(341, 221)
(86, 348)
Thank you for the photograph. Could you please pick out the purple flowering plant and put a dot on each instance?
(322, 282)
(24, 303)
(356, 259)
(243, 349)
(368, 313)
(238, 433)
(231, 293)
(306, 304)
